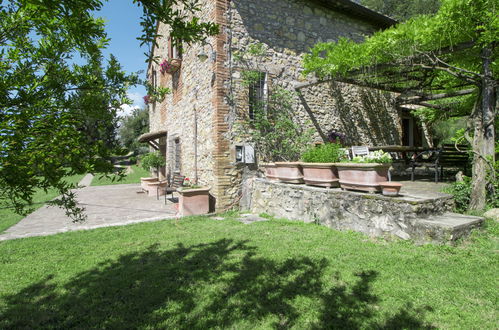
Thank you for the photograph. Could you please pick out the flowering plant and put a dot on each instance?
(188, 184)
(378, 156)
(168, 66)
(336, 137)
(147, 99)
(155, 94)
(165, 66)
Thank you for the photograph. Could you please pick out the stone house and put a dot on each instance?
(195, 126)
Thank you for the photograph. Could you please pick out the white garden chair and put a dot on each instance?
(360, 151)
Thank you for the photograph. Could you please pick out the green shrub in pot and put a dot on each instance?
(324, 153)
(153, 160)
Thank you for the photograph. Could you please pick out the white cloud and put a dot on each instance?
(136, 98)
(126, 110)
(137, 102)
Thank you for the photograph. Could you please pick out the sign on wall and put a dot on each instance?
(249, 154)
(245, 154)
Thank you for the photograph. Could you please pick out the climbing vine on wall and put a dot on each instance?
(277, 137)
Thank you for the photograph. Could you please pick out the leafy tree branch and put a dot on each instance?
(59, 96)
(451, 54)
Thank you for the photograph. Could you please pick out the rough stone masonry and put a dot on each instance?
(208, 100)
(405, 217)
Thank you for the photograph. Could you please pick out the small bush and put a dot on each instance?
(461, 191)
(152, 160)
(324, 153)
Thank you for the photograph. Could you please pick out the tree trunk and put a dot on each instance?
(484, 135)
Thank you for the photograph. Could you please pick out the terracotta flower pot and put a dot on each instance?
(270, 171)
(390, 188)
(144, 182)
(289, 172)
(320, 174)
(362, 176)
(194, 201)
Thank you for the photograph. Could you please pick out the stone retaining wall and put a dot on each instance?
(372, 214)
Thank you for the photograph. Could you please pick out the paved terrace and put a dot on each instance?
(422, 188)
(105, 206)
(118, 205)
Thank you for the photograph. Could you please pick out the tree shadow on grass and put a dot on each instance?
(219, 284)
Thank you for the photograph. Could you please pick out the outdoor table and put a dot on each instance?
(403, 150)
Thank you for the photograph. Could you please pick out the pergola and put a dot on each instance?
(416, 79)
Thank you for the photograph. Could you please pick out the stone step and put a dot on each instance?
(446, 227)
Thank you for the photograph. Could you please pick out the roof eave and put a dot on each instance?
(146, 137)
(351, 8)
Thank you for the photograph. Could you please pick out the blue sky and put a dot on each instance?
(123, 27)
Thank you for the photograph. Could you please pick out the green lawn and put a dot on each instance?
(133, 177)
(8, 217)
(203, 273)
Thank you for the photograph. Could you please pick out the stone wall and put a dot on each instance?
(372, 214)
(287, 29)
(189, 105)
(365, 116)
(211, 93)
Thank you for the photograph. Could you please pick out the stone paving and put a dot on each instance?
(422, 188)
(105, 206)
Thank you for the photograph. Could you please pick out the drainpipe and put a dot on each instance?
(196, 90)
(195, 145)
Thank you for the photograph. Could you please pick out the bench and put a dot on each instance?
(449, 156)
(445, 156)
(176, 182)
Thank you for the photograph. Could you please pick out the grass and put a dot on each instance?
(203, 273)
(8, 217)
(133, 177)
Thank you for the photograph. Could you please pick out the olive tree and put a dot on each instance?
(59, 95)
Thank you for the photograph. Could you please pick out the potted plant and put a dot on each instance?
(319, 168)
(365, 173)
(155, 94)
(289, 172)
(170, 66)
(194, 199)
(152, 160)
(278, 139)
(269, 169)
